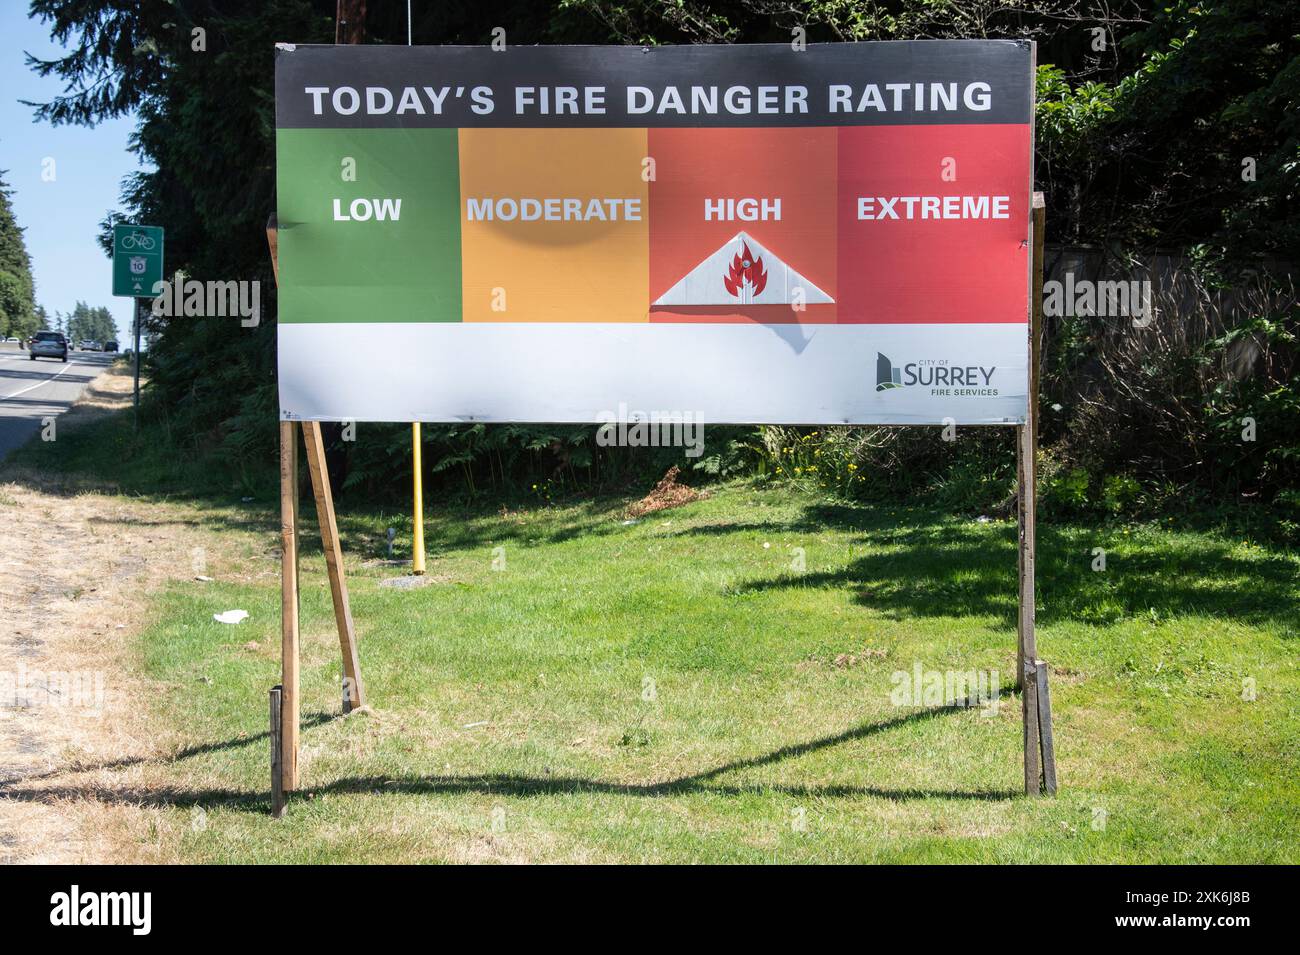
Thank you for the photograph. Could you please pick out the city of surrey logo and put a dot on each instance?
(940, 375)
(887, 376)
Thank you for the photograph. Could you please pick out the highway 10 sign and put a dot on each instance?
(747, 233)
(137, 259)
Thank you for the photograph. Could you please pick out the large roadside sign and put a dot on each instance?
(750, 234)
(137, 259)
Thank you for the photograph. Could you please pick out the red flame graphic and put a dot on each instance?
(745, 270)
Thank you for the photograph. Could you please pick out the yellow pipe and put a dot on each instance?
(417, 543)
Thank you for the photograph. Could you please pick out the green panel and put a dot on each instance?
(403, 270)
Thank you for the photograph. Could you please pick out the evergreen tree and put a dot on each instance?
(91, 324)
(17, 308)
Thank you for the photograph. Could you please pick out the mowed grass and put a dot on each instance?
(568, 687)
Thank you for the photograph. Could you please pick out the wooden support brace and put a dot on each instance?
(353, 694)
(289, 604)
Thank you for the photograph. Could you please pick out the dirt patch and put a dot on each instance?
(846, 661)
(667, 493)
(110, 392)
(75, 571)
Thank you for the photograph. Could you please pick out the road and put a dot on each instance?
(32, 390)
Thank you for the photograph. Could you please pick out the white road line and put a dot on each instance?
(23, 391)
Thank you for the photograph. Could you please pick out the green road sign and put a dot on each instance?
(137, 259)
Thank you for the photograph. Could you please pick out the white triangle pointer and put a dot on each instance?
(704, 284)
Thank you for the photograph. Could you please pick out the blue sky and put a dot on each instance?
(61, 218)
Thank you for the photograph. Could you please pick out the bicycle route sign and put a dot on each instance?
(137, 259)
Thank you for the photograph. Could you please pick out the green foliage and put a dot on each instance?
(1066, 116)
(15, 303)
(1255, 420)
(17, 306)
(731, 452)
(505, 460)
(1066, 490)
(1119, 492)
(1156, 153)
(95, 324)
(973, 471)
(821, 459)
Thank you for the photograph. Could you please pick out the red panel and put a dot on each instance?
(694, 165)
(933, 270)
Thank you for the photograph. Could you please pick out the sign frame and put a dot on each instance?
(1031, 673)
(960, 364)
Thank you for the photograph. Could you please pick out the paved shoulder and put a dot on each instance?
(31, 391)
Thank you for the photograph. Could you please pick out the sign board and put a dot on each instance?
(137, 259)
(747, 234)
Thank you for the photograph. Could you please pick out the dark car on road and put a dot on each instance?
(110, 346)
(49, 345)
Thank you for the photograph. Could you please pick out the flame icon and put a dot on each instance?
(746, 271)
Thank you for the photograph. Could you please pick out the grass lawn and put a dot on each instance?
(674, 691)
(570, 687)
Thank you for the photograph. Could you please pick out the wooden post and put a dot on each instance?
(273, 241)
(277, 763)
(1036, 311)
(1027, 440)
(350, 22)
(353, 695)
(1027, 495)
(289, 604)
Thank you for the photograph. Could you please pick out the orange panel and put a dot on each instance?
(582, 264)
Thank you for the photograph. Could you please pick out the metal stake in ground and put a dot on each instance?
(277, 759)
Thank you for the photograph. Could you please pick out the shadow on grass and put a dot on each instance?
(946, 568)
(99, 451)
(494, 784)
(187, 752)
(447, 527)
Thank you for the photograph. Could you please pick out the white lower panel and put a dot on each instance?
(583, 373)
